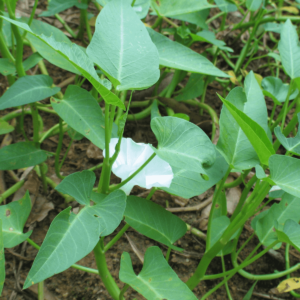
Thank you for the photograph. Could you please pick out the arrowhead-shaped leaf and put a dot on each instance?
(129, 57)
(28, 89)
(188, 184)
(183, 144)
(21, 155)
(110, 208)
(72, 58)
(290, 234)
(14, 216)
(178, 56)
(69, 238)
(157, 280)
(154, 221)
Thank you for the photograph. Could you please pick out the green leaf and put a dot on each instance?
(250, 292)
(254, 132)
(130, 59)
(274, 27)
(32, 61)
(178, 56)
(74, 135)
(111, 208)
(182, 144)
(82, 112)
(233, 142)
(290, 234)
(198, 18)
(21, 155)
(154, 221)
(69, 238)
(79, 185)
(226, 6)
(157, 280)
(57, 6)
(28, 89)
(209, 37)
(285, 172)
(277, 90)
(289, 49)
(14, 216)
(219, 225)
(140, 7)
(2, 260)
(253, 5)
(5, 127)
(176, 7)
(72, 58)
(263, 224)
(188, 184)
(193, 88)
(7, 67)
(290, 144)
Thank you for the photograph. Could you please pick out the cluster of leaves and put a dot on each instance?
(123, 54)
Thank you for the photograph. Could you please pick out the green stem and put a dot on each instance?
(168, 254)
(106, 169)
(287, 265)
(11, 190)
(157, 22)
(41, 290)
(66, 26)
(226, 284)
(58, 150)
(246, 47)
(173, 84)
(141, 115)
(285, 106)
(235, 224)
(272, 114)
(213, 205)
(116, 238)
(124, 289)
(31, 17)
(96, 167)
(243, 265)
(118, 186)
(238, 181)
(153, 190)
(65, 155)
(104, 273)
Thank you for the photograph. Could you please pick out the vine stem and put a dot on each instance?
(285, 106)
(104, 273)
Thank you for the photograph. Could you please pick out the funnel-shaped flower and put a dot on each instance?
(157, 173)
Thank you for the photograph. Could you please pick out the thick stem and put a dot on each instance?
(104, 273)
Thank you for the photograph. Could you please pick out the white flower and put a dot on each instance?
(157, 173)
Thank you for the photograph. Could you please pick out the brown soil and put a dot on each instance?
(74, 284)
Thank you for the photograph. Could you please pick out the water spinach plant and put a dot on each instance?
(123, 55)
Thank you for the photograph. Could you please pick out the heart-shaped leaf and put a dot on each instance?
(183, 144)
(157, 280)
(72, 58)
(285, 172)
(130, 59)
